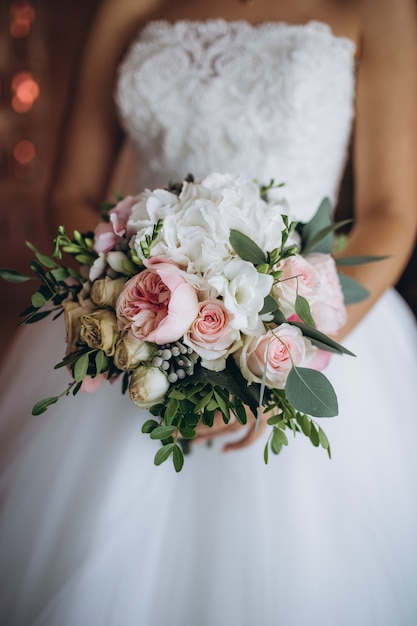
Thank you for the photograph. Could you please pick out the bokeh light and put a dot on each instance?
(24, 152)
(23, 15)
(26, 91)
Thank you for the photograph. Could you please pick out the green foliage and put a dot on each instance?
(148, 241)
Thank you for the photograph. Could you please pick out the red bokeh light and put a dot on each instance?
(24, 152)
(23, 15)
(26, 91)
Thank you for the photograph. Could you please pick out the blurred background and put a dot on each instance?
(40, 41)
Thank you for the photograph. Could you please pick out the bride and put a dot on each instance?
(91, 532)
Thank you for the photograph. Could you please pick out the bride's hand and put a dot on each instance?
(250, 432)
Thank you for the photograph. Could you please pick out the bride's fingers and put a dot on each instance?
(252, 434)
(218, 428)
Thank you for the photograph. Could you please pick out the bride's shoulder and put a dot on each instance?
(388, 25)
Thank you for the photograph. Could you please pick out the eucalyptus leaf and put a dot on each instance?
(246, 248)
(302, 308)
(270, 305)
(309, 391)
(316, 335)
(359, 260)
(13, 276)
(321, 219)
(352, 290)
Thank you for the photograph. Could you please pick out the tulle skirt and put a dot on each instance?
(92, 533)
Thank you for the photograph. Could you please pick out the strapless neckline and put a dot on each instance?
(317, 26)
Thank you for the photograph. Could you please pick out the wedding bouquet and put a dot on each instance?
(202, 297)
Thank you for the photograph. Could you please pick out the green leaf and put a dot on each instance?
(81, 367)
(359, 260)
(352, 290)
(279, 437)
(240, 414)
(42, 258)
(222, 404)
(302, 308)
(317, 336)
(309, 391)
(178, 458)
(323, 241)
(321, 220)
(149, 426)
(246, 248)
(324, 442)
(13, 276)
(38, 300)
(304, 423)
(172, 408)
(101, 361)
(162, 432)
(314, 436)
(163, 453)
(270, 305)
(188, 433)
(59, 274)
(266, 453)
(37, 317)
(42, 405)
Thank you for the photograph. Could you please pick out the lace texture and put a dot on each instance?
(267, 101)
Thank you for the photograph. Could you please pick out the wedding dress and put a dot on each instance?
(92, 533)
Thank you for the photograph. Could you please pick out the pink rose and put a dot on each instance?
(327, 308)
(278, 349)
(157, 304)
(108, 235)
(210, 334)
(298, 275)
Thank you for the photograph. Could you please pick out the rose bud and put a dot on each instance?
(148, 386)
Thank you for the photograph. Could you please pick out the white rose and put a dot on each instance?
(243, 289)
(148, 386)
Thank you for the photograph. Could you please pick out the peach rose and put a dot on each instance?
(277, 350)
(157, 304)
(211, 335)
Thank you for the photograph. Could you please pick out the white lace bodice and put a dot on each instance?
(267, 101)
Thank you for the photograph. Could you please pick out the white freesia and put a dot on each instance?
(243, 290)
(115, 260)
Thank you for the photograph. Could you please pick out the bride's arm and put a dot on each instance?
(385, 148)
(385, 158)
(91, 136)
